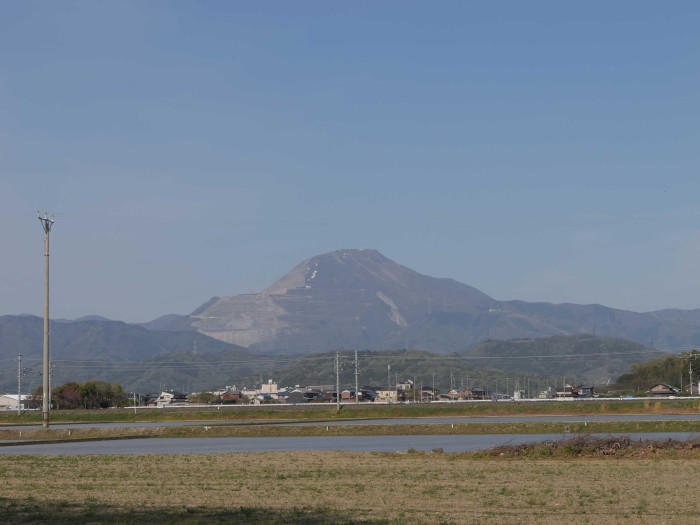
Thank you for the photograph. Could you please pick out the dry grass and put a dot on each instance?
(333, 487)
(537, 427)
(363, 410)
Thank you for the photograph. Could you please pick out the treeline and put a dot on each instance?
(90, 394)
(673, 370)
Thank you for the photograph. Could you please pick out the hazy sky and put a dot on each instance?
(535, 150)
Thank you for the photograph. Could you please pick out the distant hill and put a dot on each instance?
(204, 371)
(362, 299)
(92, 349)
(448, 371)
(84, 318)
(536, 363)
(170, 322)
(584, 357)
(96, 339)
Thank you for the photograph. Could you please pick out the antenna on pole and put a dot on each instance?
(46, 224)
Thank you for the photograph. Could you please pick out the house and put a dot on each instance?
(475, 392)
(320, 388)
(150, 399)
(428, 394)
(546, 394)
(405, 385)
(452, 395)
(250, 393)
(263, 399)
(297, 396)
(662, 389)
(312, 394)
(9, 401)
(586, 391)
(231, 398)
(347, 395)
(471, 393)
(171, 398)
(576, 391)
(387, 394)
(567, 391)
(271, 389)
(367, 393)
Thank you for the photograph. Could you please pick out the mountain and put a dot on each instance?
(92, 318)
(97, 349)
(362, 299)
(348, 298)
(95, 340)
(170, 322)
(588, 358)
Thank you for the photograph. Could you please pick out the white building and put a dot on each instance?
(269, 388)
(171, 398)
(9, 401)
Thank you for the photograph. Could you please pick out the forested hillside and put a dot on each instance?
(596, 360)
(670, 369)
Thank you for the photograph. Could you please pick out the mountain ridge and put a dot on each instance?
(361, 298)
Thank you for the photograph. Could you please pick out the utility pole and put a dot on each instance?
(433, 396)
(51, 365)
(357, 381)
(690, 375)
(46, 223)
(19, 384)
(414, 389)
(388, 375)
(337, 380)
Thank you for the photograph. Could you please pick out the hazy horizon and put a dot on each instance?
(190, 150)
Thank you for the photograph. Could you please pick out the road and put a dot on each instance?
(449, 443)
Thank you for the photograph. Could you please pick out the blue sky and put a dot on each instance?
(535, 150)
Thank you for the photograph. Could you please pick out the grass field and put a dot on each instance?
(351, 430)
(267, 412)
(333, 487)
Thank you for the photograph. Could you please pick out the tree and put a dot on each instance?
(204, 398)
(91, 394)
(67, 396)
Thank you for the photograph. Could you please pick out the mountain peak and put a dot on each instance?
(339, 298)
(336, 269)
